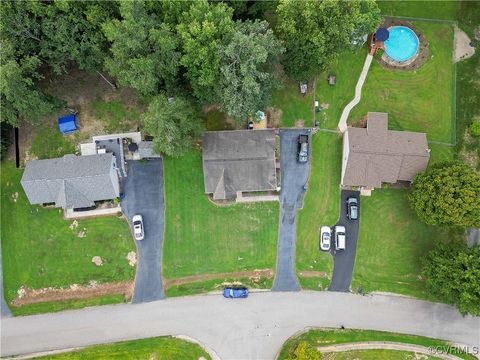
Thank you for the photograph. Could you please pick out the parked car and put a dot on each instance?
(352, 208)
(235, 292)
(340, 238)
(138, 231)
(302, 155)
(325, 238)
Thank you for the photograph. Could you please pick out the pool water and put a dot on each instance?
(402, 43)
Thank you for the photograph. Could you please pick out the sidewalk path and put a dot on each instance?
(257, 326)
(342, 124)
(385, 345)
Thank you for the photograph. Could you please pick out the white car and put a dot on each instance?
(340, 238)
(325, 238)
(138, 232)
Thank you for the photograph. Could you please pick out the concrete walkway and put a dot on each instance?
(342, 124)
(253, 328)
(386, 345)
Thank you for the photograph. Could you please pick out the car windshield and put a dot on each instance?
(326, 236)
(137, 223)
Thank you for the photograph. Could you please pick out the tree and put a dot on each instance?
(58, 32)
(452, 273)
(447, 194)
(203, 29)
(144, 49)
(247, 69)
(316, 31)
(173, 124)
(20, 99)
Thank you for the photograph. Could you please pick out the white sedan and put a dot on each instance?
(138, 232)
(325, 238)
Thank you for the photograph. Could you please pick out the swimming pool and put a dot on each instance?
(402, 43)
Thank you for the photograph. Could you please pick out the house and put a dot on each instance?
(376, 155)
(71, 182)
(238, 161)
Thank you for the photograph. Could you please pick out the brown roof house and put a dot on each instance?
(376, 155)
(238, 161)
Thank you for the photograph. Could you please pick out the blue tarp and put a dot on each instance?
(67, 124)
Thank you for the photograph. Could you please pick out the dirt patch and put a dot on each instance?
(312, 274)
(463, 49)
(300, 123)
(254, 275)
(74, 292)
(73, 225)
(273, 117)
(132, 258)
(97, 260)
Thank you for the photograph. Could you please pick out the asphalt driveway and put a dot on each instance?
(143, 194)
(294, 177)
(345, 259)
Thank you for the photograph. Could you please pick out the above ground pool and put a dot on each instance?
(402, 43)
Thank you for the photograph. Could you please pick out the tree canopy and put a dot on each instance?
(316, 31)
(203, 30)
(247, 74)
(145, 50)
(447, 194)
(452, 273)
(173, 124)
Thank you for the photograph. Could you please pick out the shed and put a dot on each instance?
(332, 79)
(67, 124)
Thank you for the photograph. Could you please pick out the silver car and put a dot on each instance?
(325, 238)
(138, 232)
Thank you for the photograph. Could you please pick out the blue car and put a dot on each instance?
(234, 293)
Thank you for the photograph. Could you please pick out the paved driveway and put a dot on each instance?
(143, 189)
(294, 177)
(345, 259)
(253, 328)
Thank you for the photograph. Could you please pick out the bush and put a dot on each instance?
(475, 129)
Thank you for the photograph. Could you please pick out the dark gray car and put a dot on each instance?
(352, 208)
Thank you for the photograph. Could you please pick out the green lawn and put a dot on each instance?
(54, 306)
(160, 348)
(323, 337)
(347, 69)
(40, 250)
(376, 355)
(48, 142)
(293, 105)
(202, 287)
(442, 10)
(115, 114)
(415, 100)
(321, 207)
(391, 245)
(203, 238)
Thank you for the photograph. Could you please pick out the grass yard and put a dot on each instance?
(48, 142)
(293, 105)
(443, 10)
(392, 242)
(159, 348)
(115, 114)
(347, 69)
(202, 287)
(203, 238)
(321, 207)
(415, 100)
(39, 249)
(324, 337)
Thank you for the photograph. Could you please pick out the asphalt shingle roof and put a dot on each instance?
(71, 181)
(241, 160)
(378, 155)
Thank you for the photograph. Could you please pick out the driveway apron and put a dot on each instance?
(294, 180)
(345, 259)
(143, 194)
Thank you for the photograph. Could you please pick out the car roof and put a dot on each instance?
(339, 228)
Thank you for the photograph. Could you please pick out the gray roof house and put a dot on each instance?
(376, 155)
(238, 161)
(71, 182)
